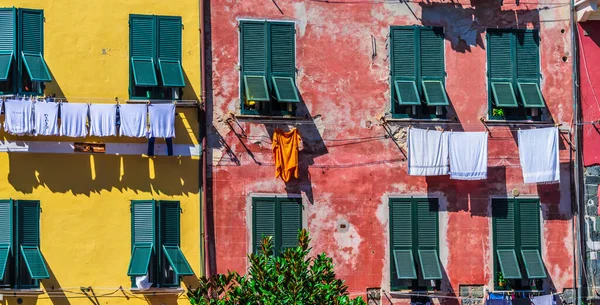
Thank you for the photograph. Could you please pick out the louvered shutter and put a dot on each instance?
(170, 237)
(500, 68)
(427, 238)
(263, 212)
(142, 50)
(529, 234)
(291, 222)
(401, 239)
(29, 238)
(504, 234)
(8, 41)
(282, 59)
(169, 51)
(6, 233)
(404, 66)
(254, 60)
(528, 68)
(143, 236)
(31, 37)
(431, 57)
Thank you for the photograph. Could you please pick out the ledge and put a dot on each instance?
(157, 291)
(270, 119)
(21, 292)
(410, 293)
(421, 121)
(515, 122)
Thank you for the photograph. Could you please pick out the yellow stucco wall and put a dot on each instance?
(85, 199)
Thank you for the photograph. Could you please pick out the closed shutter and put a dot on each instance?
(500, 68)
(31, 30)
(29, 237)
(8, 41)
(283, 61)
(142, 49)
(169, 51)
(6, 233)
(528, 68)
(170, 226)
(503, 222)
(254, 60)
(263, 212)
(431, 56)
(427, 238)
(143, 238)
(291, 222)
(404, 66)
(401, 239)
(529, 233)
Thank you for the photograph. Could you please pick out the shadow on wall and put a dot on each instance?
(86, 174)
(57, 296)
(465, 27)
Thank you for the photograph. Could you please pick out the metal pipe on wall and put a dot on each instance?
(203, 133)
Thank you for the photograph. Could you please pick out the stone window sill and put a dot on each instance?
(155, 291)
(20, 292)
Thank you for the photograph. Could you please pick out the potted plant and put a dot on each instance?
(502, 282)
(498, 112)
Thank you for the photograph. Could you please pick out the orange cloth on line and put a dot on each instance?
(285, 153)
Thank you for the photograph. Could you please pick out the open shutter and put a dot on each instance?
(291, 222)
(169, 51)
(529, 232)
(282, 55)
(254, 60)
(427, 238)
(431, 56)
(503, 222)
(31, 36)
(404, 66)
(29, 237)
(142, 50)
(263, 219)
(170, 222)
(401, 239)
(6, 233)
(528, 68)
(500, 68)
(8, 41)
(143, 238)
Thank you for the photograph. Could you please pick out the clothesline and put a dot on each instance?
(179, 103)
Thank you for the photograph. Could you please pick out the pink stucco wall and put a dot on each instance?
(589, 47)
(350, 167)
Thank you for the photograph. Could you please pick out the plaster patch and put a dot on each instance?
(348, 244)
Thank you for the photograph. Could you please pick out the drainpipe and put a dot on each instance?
(577, 170)
(202, 130)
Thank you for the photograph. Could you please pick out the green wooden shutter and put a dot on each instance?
(8, 40)
(291, 222)
(169, 51)
(31, 35)
(254, 60)
(529, 234)
(401, 239)
(501, 67)
(29, 238)
(6, 233)
(142, 236)
(427, 238)
(142, 50)
(431, 56)
(404, 65)
(263, 220)
(170, 227)
(528, 68)
(282, 58)
(504, 234)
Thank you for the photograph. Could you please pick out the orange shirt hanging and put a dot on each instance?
(285, 153)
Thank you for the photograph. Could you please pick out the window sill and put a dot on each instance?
(419, 121)
(20, 292)
(269, 118)
(404, 292)
(155, 291)
(515, 122)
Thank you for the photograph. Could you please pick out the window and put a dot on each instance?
(517, 246)
(278, 217)
(22, 65)
(417, 72)
(268, 68)
(414, 244)
(21, 262)
(155, 70)
(155, 248)
(514, 75)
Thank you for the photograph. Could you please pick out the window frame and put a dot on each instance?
(423, 109)
(272, 107)
(521, 109)
(277, 238)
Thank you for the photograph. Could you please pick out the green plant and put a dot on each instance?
(498, 112)
(291, 278)
(502, 282)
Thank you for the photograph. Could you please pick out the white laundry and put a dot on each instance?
(427, 152)
(46, 118)
(134, 120)
(73, 120)
(18, 117)
(142, 282)
(538, 153)
(103, 120)
(162, 120)
(468, 155)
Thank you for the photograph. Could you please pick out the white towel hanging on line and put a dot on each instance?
(18, 117)
(538, 153)
(468, 155)
(427, 152)
(103, 120)
(73, 120)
